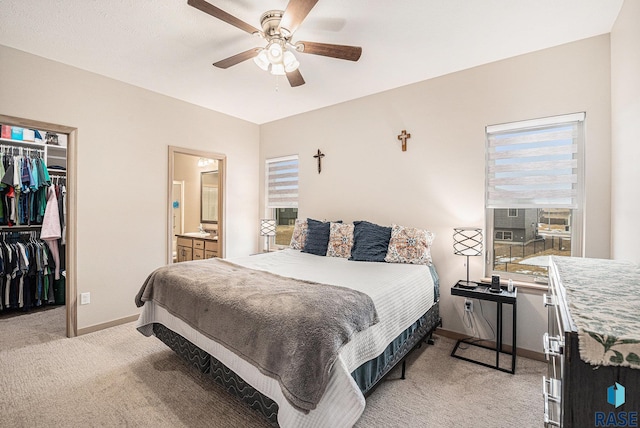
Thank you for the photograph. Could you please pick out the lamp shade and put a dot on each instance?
(267, 227)
(467, 241)
(277, 69)
(290, 62)
(274, 52)
(262, 61)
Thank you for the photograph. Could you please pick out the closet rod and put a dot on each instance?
(5, 229)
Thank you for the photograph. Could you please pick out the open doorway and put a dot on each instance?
(57, 147)
(195, 208)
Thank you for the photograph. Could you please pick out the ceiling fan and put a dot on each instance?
(277, 29)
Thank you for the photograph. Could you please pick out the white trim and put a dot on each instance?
(532, 123)
(282, 158)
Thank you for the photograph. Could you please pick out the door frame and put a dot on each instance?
(222, 176)
(172, 200)
(71, 301)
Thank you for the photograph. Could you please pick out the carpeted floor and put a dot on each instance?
(117, 377)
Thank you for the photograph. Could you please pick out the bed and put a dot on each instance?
(405, 297)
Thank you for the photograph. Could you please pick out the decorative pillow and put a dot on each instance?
(299, 234)
(409, 245)
(317, 237)
(340, 240)
(370, 242)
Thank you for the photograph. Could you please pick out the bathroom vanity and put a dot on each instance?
(200, 247)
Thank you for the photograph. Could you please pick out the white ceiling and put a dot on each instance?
(168, 46)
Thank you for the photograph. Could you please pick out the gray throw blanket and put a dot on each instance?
(292, 330)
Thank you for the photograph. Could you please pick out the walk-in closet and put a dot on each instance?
(33, 222)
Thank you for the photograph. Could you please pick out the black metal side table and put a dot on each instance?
(481, 292)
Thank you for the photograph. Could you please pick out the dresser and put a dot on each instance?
(190, 248)
(592, 343)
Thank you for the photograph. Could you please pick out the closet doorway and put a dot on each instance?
(195, 199)
(60, 158)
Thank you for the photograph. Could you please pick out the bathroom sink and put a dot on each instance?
(196, 234)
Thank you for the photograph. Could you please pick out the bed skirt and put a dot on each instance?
(366, 376)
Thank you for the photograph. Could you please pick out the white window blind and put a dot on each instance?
(536, 163)
(282, 182)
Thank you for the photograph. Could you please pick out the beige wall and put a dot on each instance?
(124, 132)
(625, 133)
(123, 138)
(438, 183)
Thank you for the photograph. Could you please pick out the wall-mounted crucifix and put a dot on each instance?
(319, 156)
(404, 137)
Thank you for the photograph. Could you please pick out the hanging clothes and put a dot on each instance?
(31, 269)
(51, 231)
(26, 271)
(23, 187)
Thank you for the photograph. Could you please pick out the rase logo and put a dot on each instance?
(616, 397)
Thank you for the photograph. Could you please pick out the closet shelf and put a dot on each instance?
(22, 142)
(31, 144)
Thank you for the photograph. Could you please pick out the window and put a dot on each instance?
(502, 235)
(534, 196)
(282, 196)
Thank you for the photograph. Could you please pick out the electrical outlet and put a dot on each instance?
(85, 298)
(468, 305)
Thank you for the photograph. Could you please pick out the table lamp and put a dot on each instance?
(467, 241)
(268, 228)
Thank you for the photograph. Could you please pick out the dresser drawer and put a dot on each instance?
(198, 254)
(211, 245)
(210, 254)
(198, 244)
(185, 242)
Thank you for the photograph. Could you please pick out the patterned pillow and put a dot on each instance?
(409, 245)
(340, 240)
(299, 234)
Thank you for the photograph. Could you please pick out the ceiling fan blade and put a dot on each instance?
(294, 14)
(350, 53)
(295, 78)
(237, 59)
(222, 15)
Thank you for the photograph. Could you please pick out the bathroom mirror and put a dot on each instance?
(209, 184)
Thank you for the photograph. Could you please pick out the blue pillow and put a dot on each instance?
(317, 237)
(370, 242)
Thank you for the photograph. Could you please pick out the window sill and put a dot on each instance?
(522, 285)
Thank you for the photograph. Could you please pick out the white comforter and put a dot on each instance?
(401, 292)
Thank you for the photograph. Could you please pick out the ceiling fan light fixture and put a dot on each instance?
(262, 61)
(277, 69)
(290, 62)
(274, 52)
